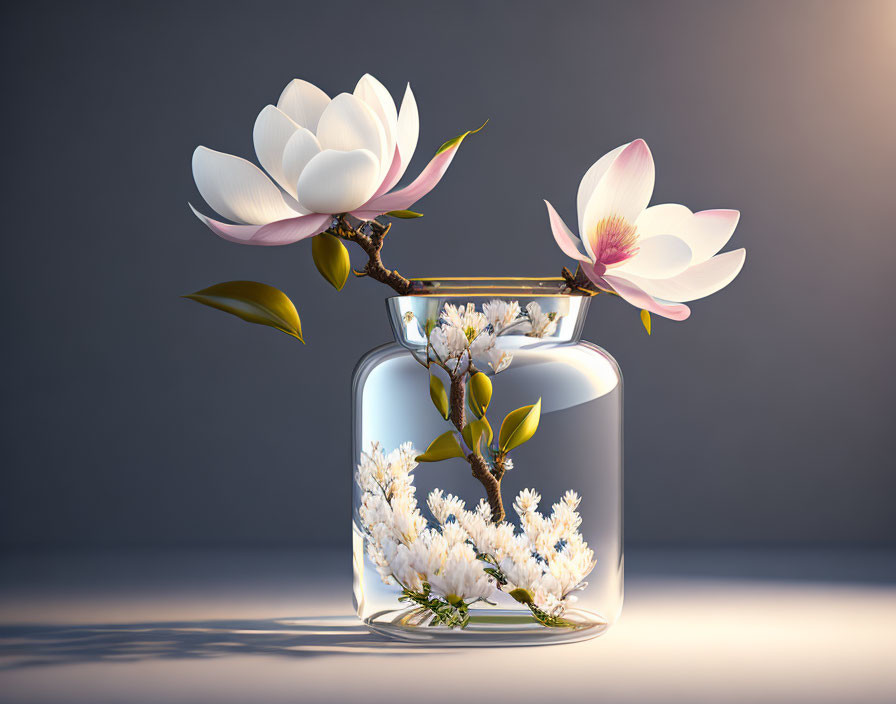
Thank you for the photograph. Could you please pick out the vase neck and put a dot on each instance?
(521, 311)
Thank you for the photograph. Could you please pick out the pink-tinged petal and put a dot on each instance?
(237, 189)
(590, 180)
(658, 257)
(292, 230)
(568, 242)
(709, 231)
(595, 272)
(338, 182)
(392, 176)
(624, 190)
(698, 281)
(639, 298)
(272, 131)
(304, 102)
(241, 234)
(408, 132)
(664, 219)
(404, 198)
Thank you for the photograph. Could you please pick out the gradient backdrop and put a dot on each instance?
(134, 417)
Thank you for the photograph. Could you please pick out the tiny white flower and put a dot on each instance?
(540, 324)
(500, 313)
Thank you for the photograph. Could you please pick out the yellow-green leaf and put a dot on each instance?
(475, 431)
(480, 393)
(331, 259)
(645, 319)
(404, 214)
(519, 426)
(443, 447)
(457, 140)
(254, 302)
(524, 596)
(438, 395)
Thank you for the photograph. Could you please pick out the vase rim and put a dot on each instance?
(485, 286)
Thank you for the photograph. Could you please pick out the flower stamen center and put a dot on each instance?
(615, 239)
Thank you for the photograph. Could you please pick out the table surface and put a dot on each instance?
(277, 626)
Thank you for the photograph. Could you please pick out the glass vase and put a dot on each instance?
(433, 558)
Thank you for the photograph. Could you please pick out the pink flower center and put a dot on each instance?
(614, 240)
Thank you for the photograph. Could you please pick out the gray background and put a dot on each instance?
(133, 417)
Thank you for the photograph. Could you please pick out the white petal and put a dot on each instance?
(299, 150)
(304, 102)
(338, 181)
(658, 257)
(237, 189)
(624, 190)
(272, 131)
(709, 231)
(408, 129)
(348, 123)
(698, 281)
(590, 180)
(375, 95)
(664, 219)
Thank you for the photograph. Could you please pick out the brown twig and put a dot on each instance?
(490, 480)
(579, 283)
(372, 245)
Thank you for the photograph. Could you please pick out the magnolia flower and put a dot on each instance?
(655, 258)
(326, 157)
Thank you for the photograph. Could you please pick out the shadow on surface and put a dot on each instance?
(33, 645)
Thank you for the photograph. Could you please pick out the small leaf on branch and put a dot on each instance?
(454, 142)
(439, 396)
(480, 393)
(519, 426)
(475, 431)
(254, 302)
(645, 320)
(524, 596)
(331, 259)
(404, 214)
(443, 447)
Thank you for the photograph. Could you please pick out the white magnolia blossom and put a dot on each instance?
(323, 157)
(544, 562)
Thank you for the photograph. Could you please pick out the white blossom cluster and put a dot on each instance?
(464, 333)
(542, 564)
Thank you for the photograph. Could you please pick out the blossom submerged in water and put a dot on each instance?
(655, 258)
(324, 157)
(465, 557)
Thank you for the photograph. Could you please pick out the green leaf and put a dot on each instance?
(524, 596)
(404, 214)
(519, 426)
(480, 393)
(253, 302)
(331, 259)
(645, 319)
(443, 447)
(457, 140)
(438, 395)
(474, 431)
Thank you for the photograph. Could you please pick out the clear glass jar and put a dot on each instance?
(550, 591)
